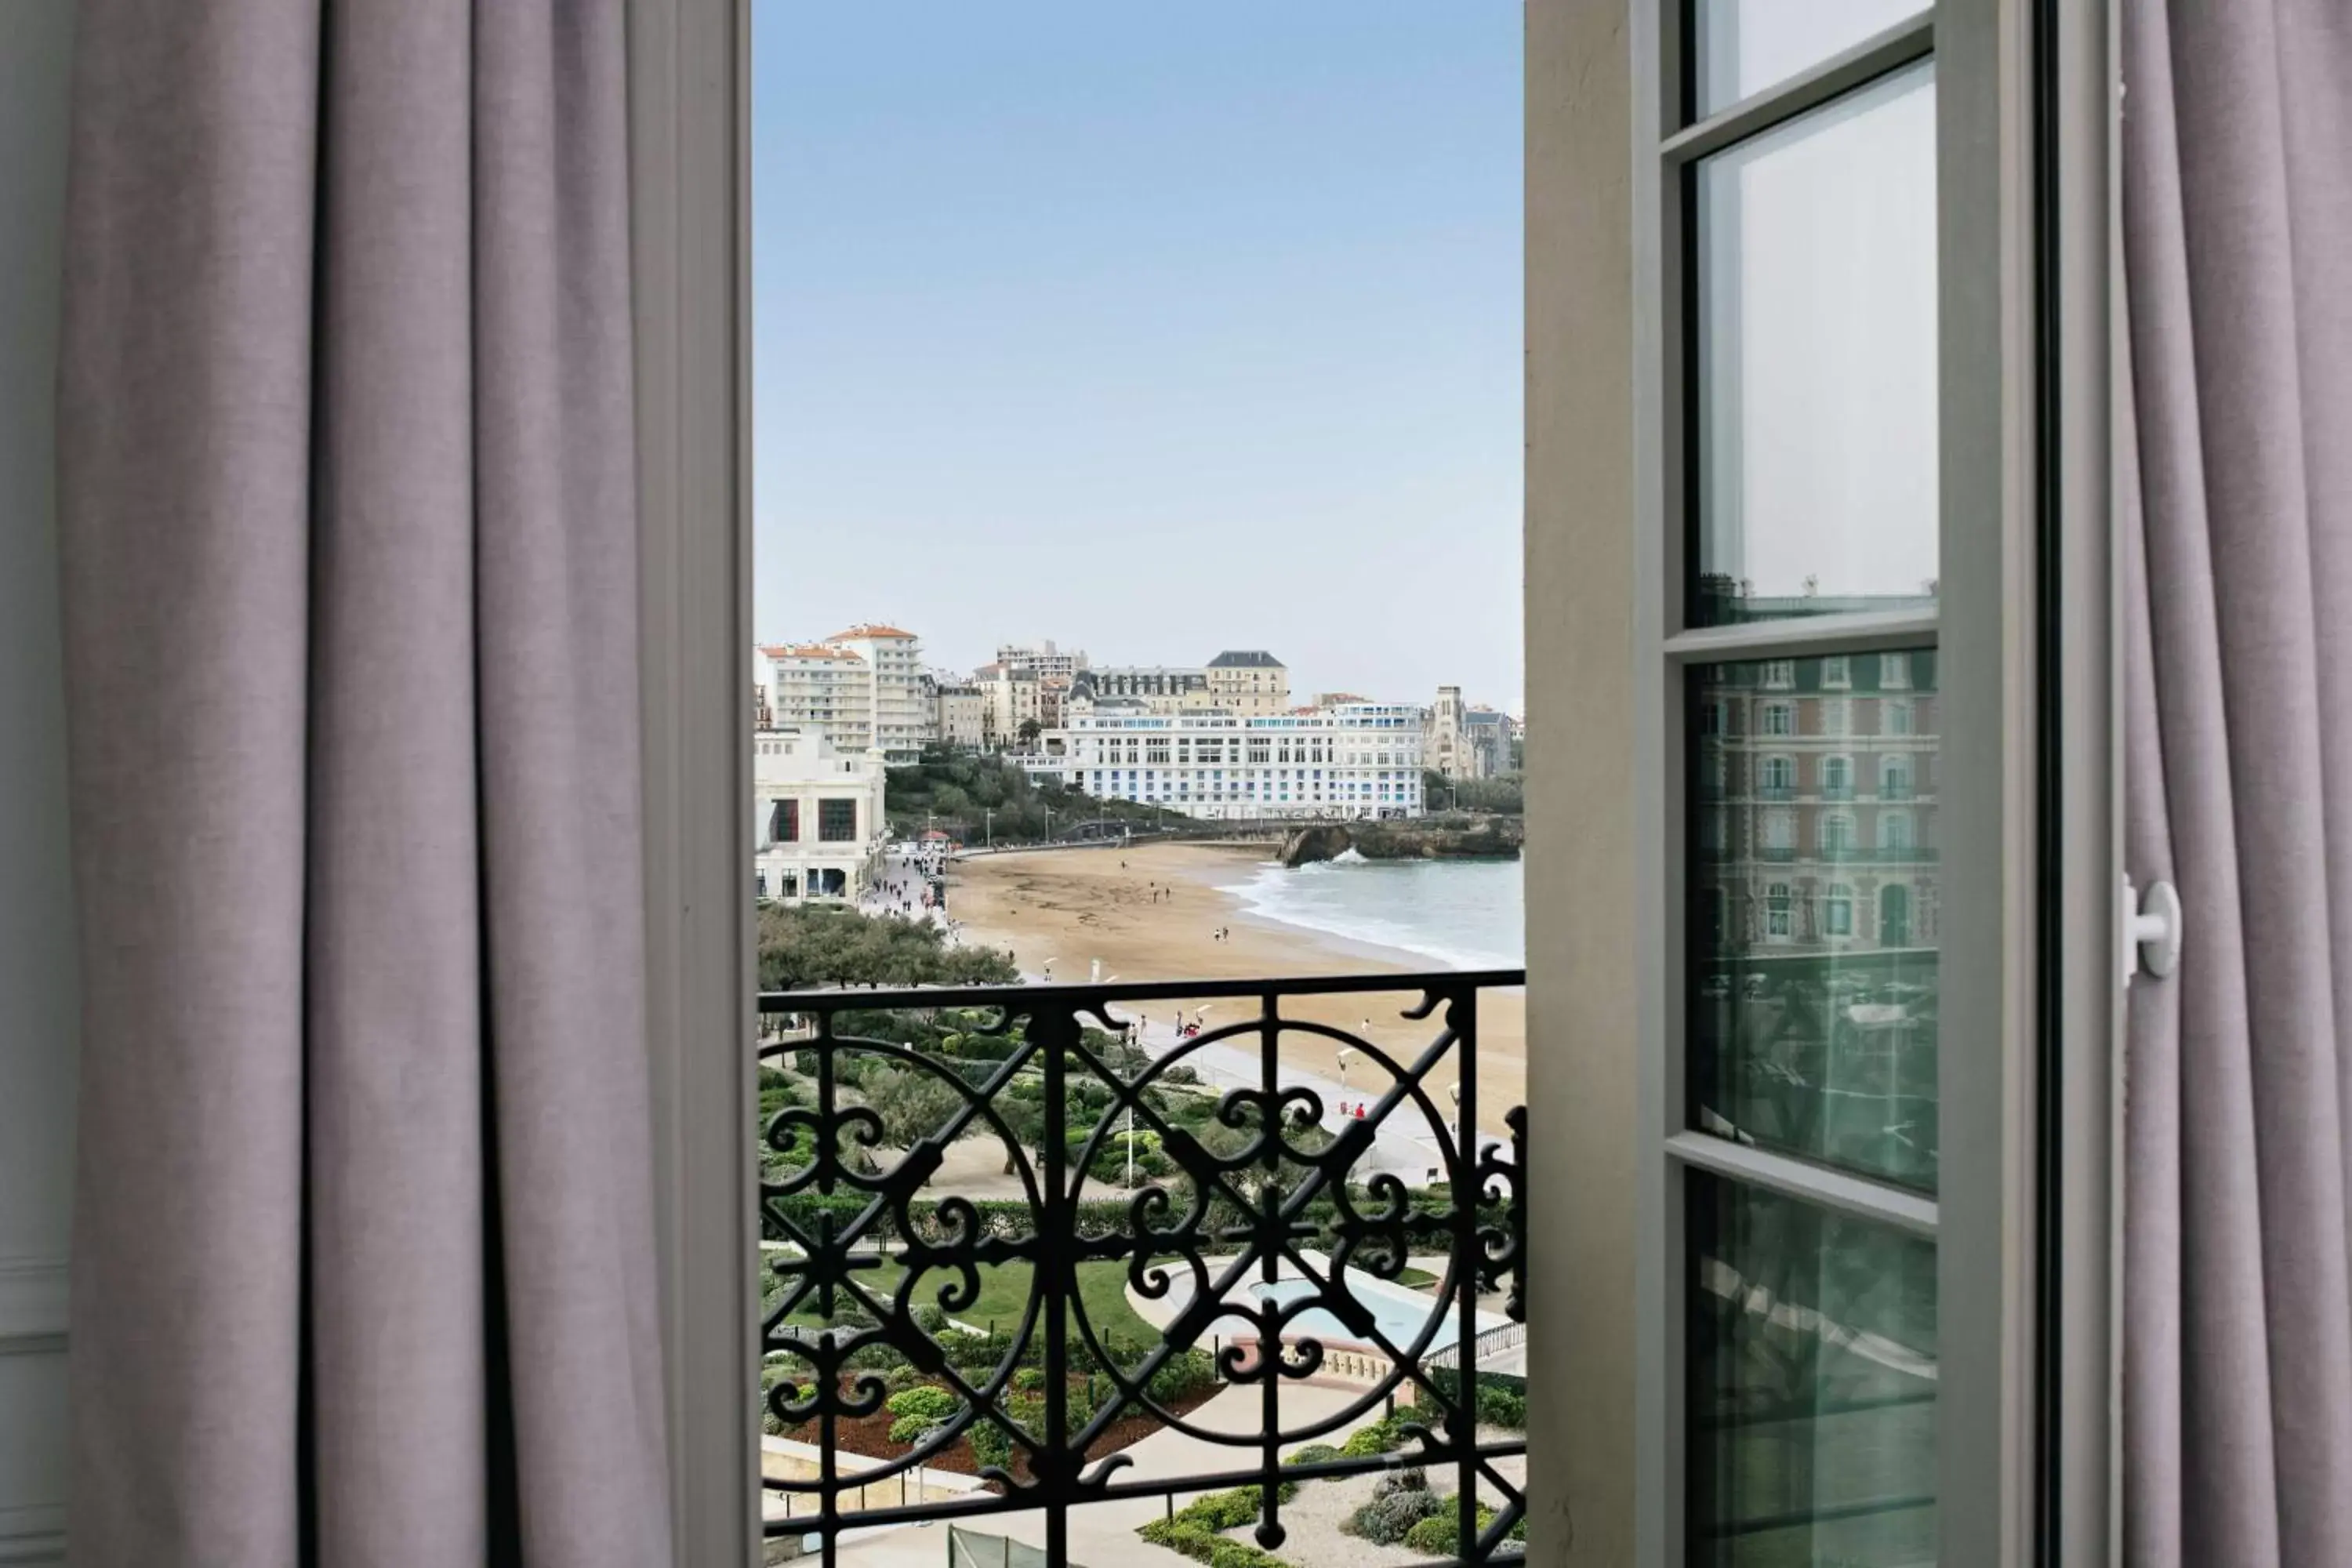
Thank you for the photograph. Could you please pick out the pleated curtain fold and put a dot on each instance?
(363, 1267)
(2237, 1299)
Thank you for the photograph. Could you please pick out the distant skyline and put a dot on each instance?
(1156, 330)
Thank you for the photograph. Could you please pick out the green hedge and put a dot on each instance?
(1193, 1528)
(1502, 1396)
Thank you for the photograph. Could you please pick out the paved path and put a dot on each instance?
(1102, 1534)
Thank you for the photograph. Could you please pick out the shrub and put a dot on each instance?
(1380, 1438)
(1188, 1371)
(912, 1428)
(1387, 1519)
(1500, 1408)
(1029, 1379)
(931, 1317)
(1412, 1479)
(1437, 1535)
(990, 1446)
(928, 1402)
(1313, 1454)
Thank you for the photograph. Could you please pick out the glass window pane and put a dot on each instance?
(1815, 400)
(1813, 913)
(1813, 1385)
(1739, 47)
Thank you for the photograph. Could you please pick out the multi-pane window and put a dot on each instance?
(1778, 777)
(1837, 778)
(1837, 673)
(1837, 910)
(1779, 719)
(784, 822)
(1837, 831)
(836, 821)
(1775, 912)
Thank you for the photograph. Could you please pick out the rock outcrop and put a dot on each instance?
(1427, 839)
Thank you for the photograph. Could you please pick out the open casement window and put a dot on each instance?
(1827, 1204)
(1836, 376)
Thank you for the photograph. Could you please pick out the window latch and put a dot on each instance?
(2149, 928)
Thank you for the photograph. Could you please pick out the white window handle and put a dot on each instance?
(2150, 930)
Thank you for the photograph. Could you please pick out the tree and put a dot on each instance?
(1030, 731)
(913, 1105)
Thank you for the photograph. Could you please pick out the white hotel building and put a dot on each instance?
(1355, 759)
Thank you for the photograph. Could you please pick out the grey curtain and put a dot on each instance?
(2237, 1312)
(363, 1267)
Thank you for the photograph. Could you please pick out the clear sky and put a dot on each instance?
(1152, 328)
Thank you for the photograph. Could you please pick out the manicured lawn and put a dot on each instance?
(1419, 1278)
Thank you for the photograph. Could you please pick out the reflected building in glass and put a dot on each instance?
(1814, 884)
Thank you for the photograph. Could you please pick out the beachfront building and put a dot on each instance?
(1159, 688)
(817, 824)
(893, 661)
(816, 689)
(1044, 658)
(1252, 681)
(1008, 699)
(1359, 760)
(959, 713)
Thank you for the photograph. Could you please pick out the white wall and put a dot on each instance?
(37, 951)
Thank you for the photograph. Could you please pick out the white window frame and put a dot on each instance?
(687, 109)
(1995, 1456)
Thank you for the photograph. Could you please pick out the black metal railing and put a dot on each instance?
(1272, 1220)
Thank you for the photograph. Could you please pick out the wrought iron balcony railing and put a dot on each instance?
(1214, 1184)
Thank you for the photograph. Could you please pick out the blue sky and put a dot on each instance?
(1156, 328)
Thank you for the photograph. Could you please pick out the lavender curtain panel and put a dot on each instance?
(2238, 1315)
(364, 1268)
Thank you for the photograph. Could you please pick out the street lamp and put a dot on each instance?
(989, 814)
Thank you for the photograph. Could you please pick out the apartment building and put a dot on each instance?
(893, 661)
(816, 689)
(1250, 681)
(1045, 658)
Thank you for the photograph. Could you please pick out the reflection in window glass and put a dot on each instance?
(1815, 397)
(1742, 46)
(1811, 1338)
(1813, 1027)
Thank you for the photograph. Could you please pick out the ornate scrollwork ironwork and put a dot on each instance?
(1272, 1239)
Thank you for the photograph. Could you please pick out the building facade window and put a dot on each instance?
(1895, 716)
(1779, 719)
(1837, 673)
(836, 821)
(784, 823)
(1837, 777)
(1895, 671)
(1837, 831)
(1777, 918)
(1837, 910)
(1895, 830)
(1777, 776)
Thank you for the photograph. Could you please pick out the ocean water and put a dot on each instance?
(1459, 914)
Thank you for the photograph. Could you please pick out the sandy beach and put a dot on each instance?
(1075, 906)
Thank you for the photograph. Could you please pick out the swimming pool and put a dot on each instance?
(1400, 1313)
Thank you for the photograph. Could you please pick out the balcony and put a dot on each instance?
(1198, 1247)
